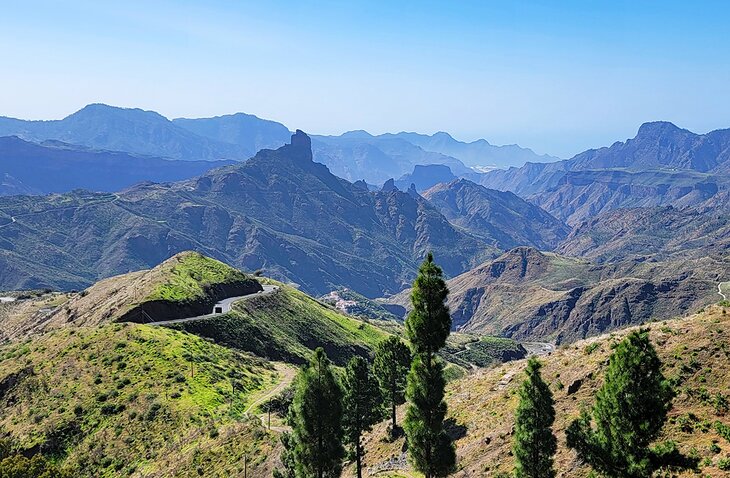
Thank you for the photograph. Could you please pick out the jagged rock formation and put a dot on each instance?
(662, 165)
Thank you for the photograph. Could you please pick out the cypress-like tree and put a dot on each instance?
(534, 443)
(392, 361)
(316, 420)
(630, 410)
(427, 326)
(363, 405)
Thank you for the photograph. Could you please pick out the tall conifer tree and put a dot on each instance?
(316, 420)
(630, 410)
(392, 361)
(427, 326)
(534, 443)
(363, 405)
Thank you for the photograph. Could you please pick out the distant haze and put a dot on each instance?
(557, 79)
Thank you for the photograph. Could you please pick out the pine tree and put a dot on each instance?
(316, 420)
(392, 361)
(534, 442)
(363, 405)
(427, 326)
(630, 410)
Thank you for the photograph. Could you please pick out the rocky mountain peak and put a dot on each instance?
(300, 147)
(659, 129)
(389, 186)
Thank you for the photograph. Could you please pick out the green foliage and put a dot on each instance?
(279, 403)
(484, 352)
(59, 408)
(723, 430)
(392, 361)
(191, 275)
(534, 443)
(363, 405)
(287, 458)
(427, 327)
(430, 449)
(288, 326)
(429, 323)
(630, 410)
(316, 420)
(13, 465)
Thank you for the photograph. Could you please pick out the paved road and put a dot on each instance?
(225, 306)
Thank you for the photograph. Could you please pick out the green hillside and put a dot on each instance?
(288, 325)
(191, 275)
(185, 285)
(134, 400)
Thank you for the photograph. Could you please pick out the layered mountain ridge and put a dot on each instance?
(526, 294)
(279, 211)
(662, 165)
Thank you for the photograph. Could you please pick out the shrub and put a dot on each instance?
(723, 430)
(153, 411)
(720, 404)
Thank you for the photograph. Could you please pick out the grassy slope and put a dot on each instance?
(184, 279)
(121, 400)
(288, 325)
(189, 276)
(695, 351)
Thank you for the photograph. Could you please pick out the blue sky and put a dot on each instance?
(558, 77)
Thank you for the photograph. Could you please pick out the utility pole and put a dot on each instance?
(245, 466)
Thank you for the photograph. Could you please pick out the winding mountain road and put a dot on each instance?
(222, 307)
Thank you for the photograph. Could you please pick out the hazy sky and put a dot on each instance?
(558, 77)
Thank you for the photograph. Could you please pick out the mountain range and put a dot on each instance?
(56, 167)
(479, 154)
(137, 131)
(354, 155)
(279, 211)
(662, 165)
(650, 212)
(526, 294)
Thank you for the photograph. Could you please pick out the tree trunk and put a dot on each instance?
(358, 457)
(393, 413)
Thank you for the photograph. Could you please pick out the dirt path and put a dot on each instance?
(287, 374)
(110, 198)
(719, 289)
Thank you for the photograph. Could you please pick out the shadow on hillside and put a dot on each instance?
(454, 430)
